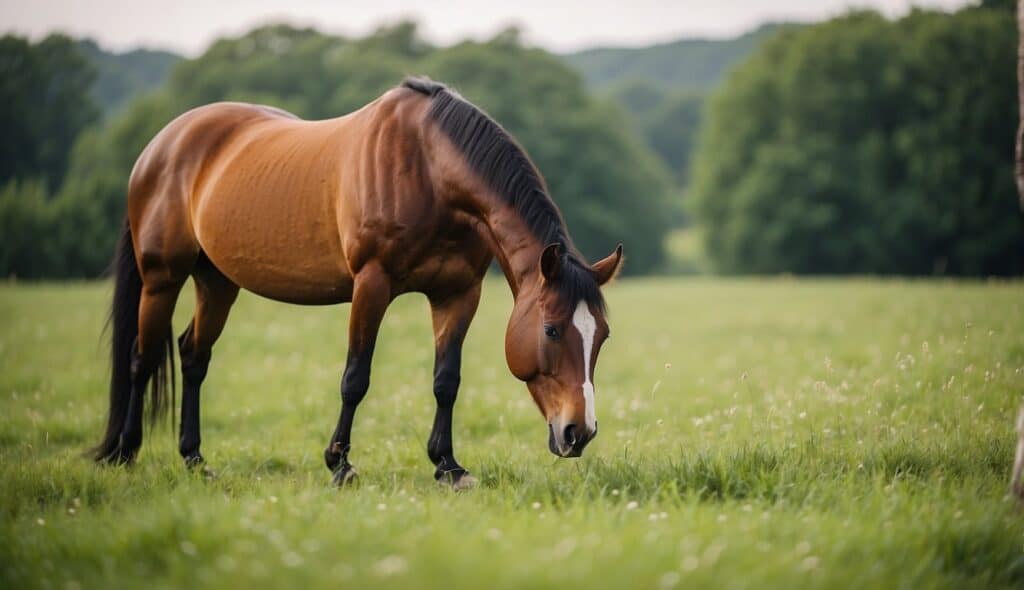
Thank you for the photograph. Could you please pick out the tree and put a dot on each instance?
(863, 145)
(45, 90)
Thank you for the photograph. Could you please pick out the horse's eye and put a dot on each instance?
(551, 331)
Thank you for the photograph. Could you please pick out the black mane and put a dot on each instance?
(499, 160)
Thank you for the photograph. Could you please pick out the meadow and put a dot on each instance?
(753, 433)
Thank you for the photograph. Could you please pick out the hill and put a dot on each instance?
(687, 64)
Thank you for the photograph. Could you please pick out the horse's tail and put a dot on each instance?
(124, 328)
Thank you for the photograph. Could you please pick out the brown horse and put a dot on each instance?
(416, 191)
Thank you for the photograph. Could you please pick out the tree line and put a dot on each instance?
(62, 202)
(857, 145)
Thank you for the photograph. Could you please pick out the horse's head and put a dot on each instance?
(553, 339)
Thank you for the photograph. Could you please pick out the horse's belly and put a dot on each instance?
(281, 247)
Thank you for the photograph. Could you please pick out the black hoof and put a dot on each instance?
(197, 464)
(121, 455)
(335, 456)
(345, 476)
(456, 479)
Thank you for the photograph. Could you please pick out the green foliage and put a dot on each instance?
(863, 145)
(609, 186)
(44, 90)
(1005, 5)
(668, 120)
(25, 215)
(774, 434)
(121, 77)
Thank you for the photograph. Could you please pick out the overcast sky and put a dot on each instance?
(188, 26)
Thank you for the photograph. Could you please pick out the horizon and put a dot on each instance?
(564, 28)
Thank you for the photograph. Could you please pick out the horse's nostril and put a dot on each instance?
(570, 435)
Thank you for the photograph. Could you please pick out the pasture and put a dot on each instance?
(753, 433)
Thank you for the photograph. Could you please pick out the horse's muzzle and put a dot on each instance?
(568, 440)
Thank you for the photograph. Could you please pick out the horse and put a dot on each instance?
(417, 191)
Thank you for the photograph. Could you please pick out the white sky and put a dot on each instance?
(188, 26)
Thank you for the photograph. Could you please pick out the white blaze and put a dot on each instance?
(587, 327)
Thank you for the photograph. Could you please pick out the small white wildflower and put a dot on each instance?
(669, 580)
(632, 505)
(291, 559)
(565, 548)
(536, 505)
(810, 562)
(390, 565)
(273, 499)
(382, 506)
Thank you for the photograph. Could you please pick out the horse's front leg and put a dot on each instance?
(451, 318)
(370, 297)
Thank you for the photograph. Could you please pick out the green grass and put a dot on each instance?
(754, 433)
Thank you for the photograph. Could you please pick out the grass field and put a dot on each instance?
(754, 433)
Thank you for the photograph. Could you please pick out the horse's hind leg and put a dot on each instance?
(215, 294)
(156, 306)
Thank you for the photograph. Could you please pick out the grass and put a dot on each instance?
(754, 433)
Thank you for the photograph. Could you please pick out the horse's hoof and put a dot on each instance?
(196, 464)
(119, 456)
(346, 476)
(459, 481)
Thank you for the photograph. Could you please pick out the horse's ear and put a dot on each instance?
(608, 268)
(551, 261)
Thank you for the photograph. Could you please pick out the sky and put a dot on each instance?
(188, 26)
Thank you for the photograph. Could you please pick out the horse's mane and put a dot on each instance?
(499, 160)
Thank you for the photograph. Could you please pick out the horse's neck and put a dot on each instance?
(515, 248)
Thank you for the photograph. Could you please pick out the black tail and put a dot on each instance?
(124, 326)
